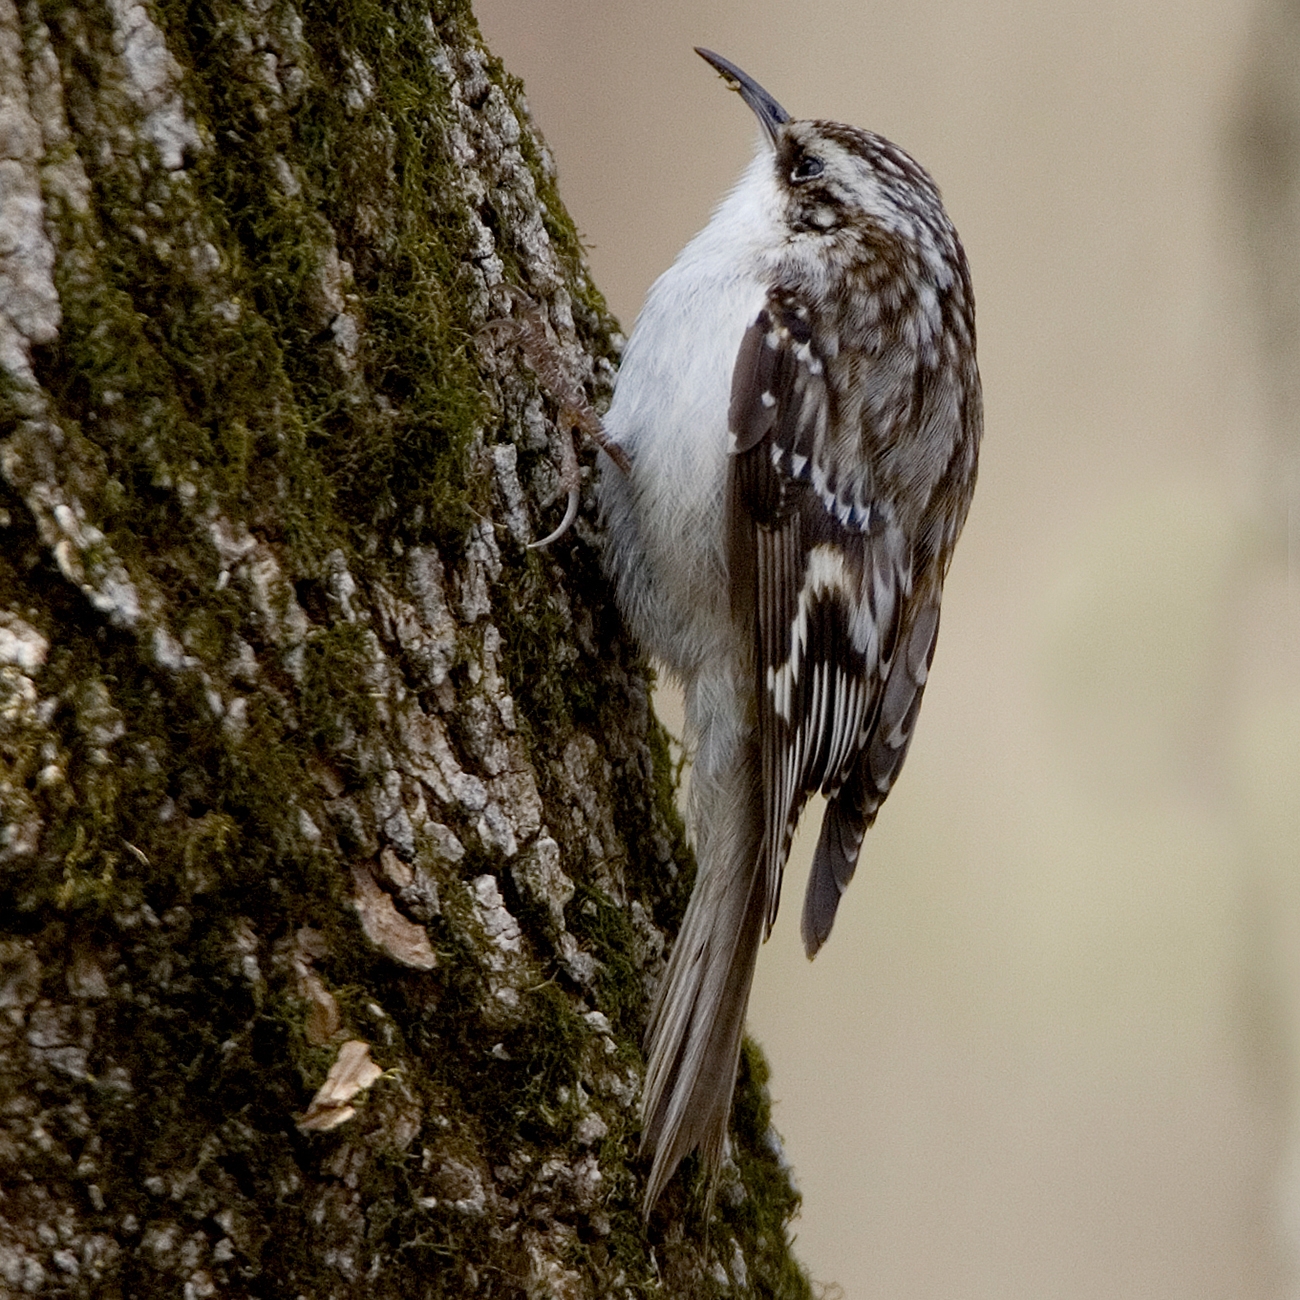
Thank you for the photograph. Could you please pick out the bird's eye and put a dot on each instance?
(807, 168)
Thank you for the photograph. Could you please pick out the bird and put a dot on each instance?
(800, 413)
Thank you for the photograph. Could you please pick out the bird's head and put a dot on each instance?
(837, 178)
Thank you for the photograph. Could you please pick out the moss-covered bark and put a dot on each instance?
(337, 842)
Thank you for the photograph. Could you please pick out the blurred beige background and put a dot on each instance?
(1051, 1048)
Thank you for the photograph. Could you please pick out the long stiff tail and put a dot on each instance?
(695, 1030)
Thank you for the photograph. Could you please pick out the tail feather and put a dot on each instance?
(695, 1031)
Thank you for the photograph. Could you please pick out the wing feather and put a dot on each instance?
(821, 575)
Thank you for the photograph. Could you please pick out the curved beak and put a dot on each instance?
(766, 109)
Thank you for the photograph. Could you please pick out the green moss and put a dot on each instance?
(605, 930)
(536, 650)
(375, 174)
(336, 696)
(252, 403)
(762, 1218)
(88, 877)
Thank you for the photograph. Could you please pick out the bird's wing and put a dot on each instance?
(821, 573)
(852, 809)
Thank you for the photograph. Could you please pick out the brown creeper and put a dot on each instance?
(800, 406)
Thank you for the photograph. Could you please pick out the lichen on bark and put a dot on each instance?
(337, 842)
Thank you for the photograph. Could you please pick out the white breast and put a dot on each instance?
(669, 412)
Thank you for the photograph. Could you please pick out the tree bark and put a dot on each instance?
(338, 850)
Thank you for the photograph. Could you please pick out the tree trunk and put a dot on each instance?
(337, 840)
